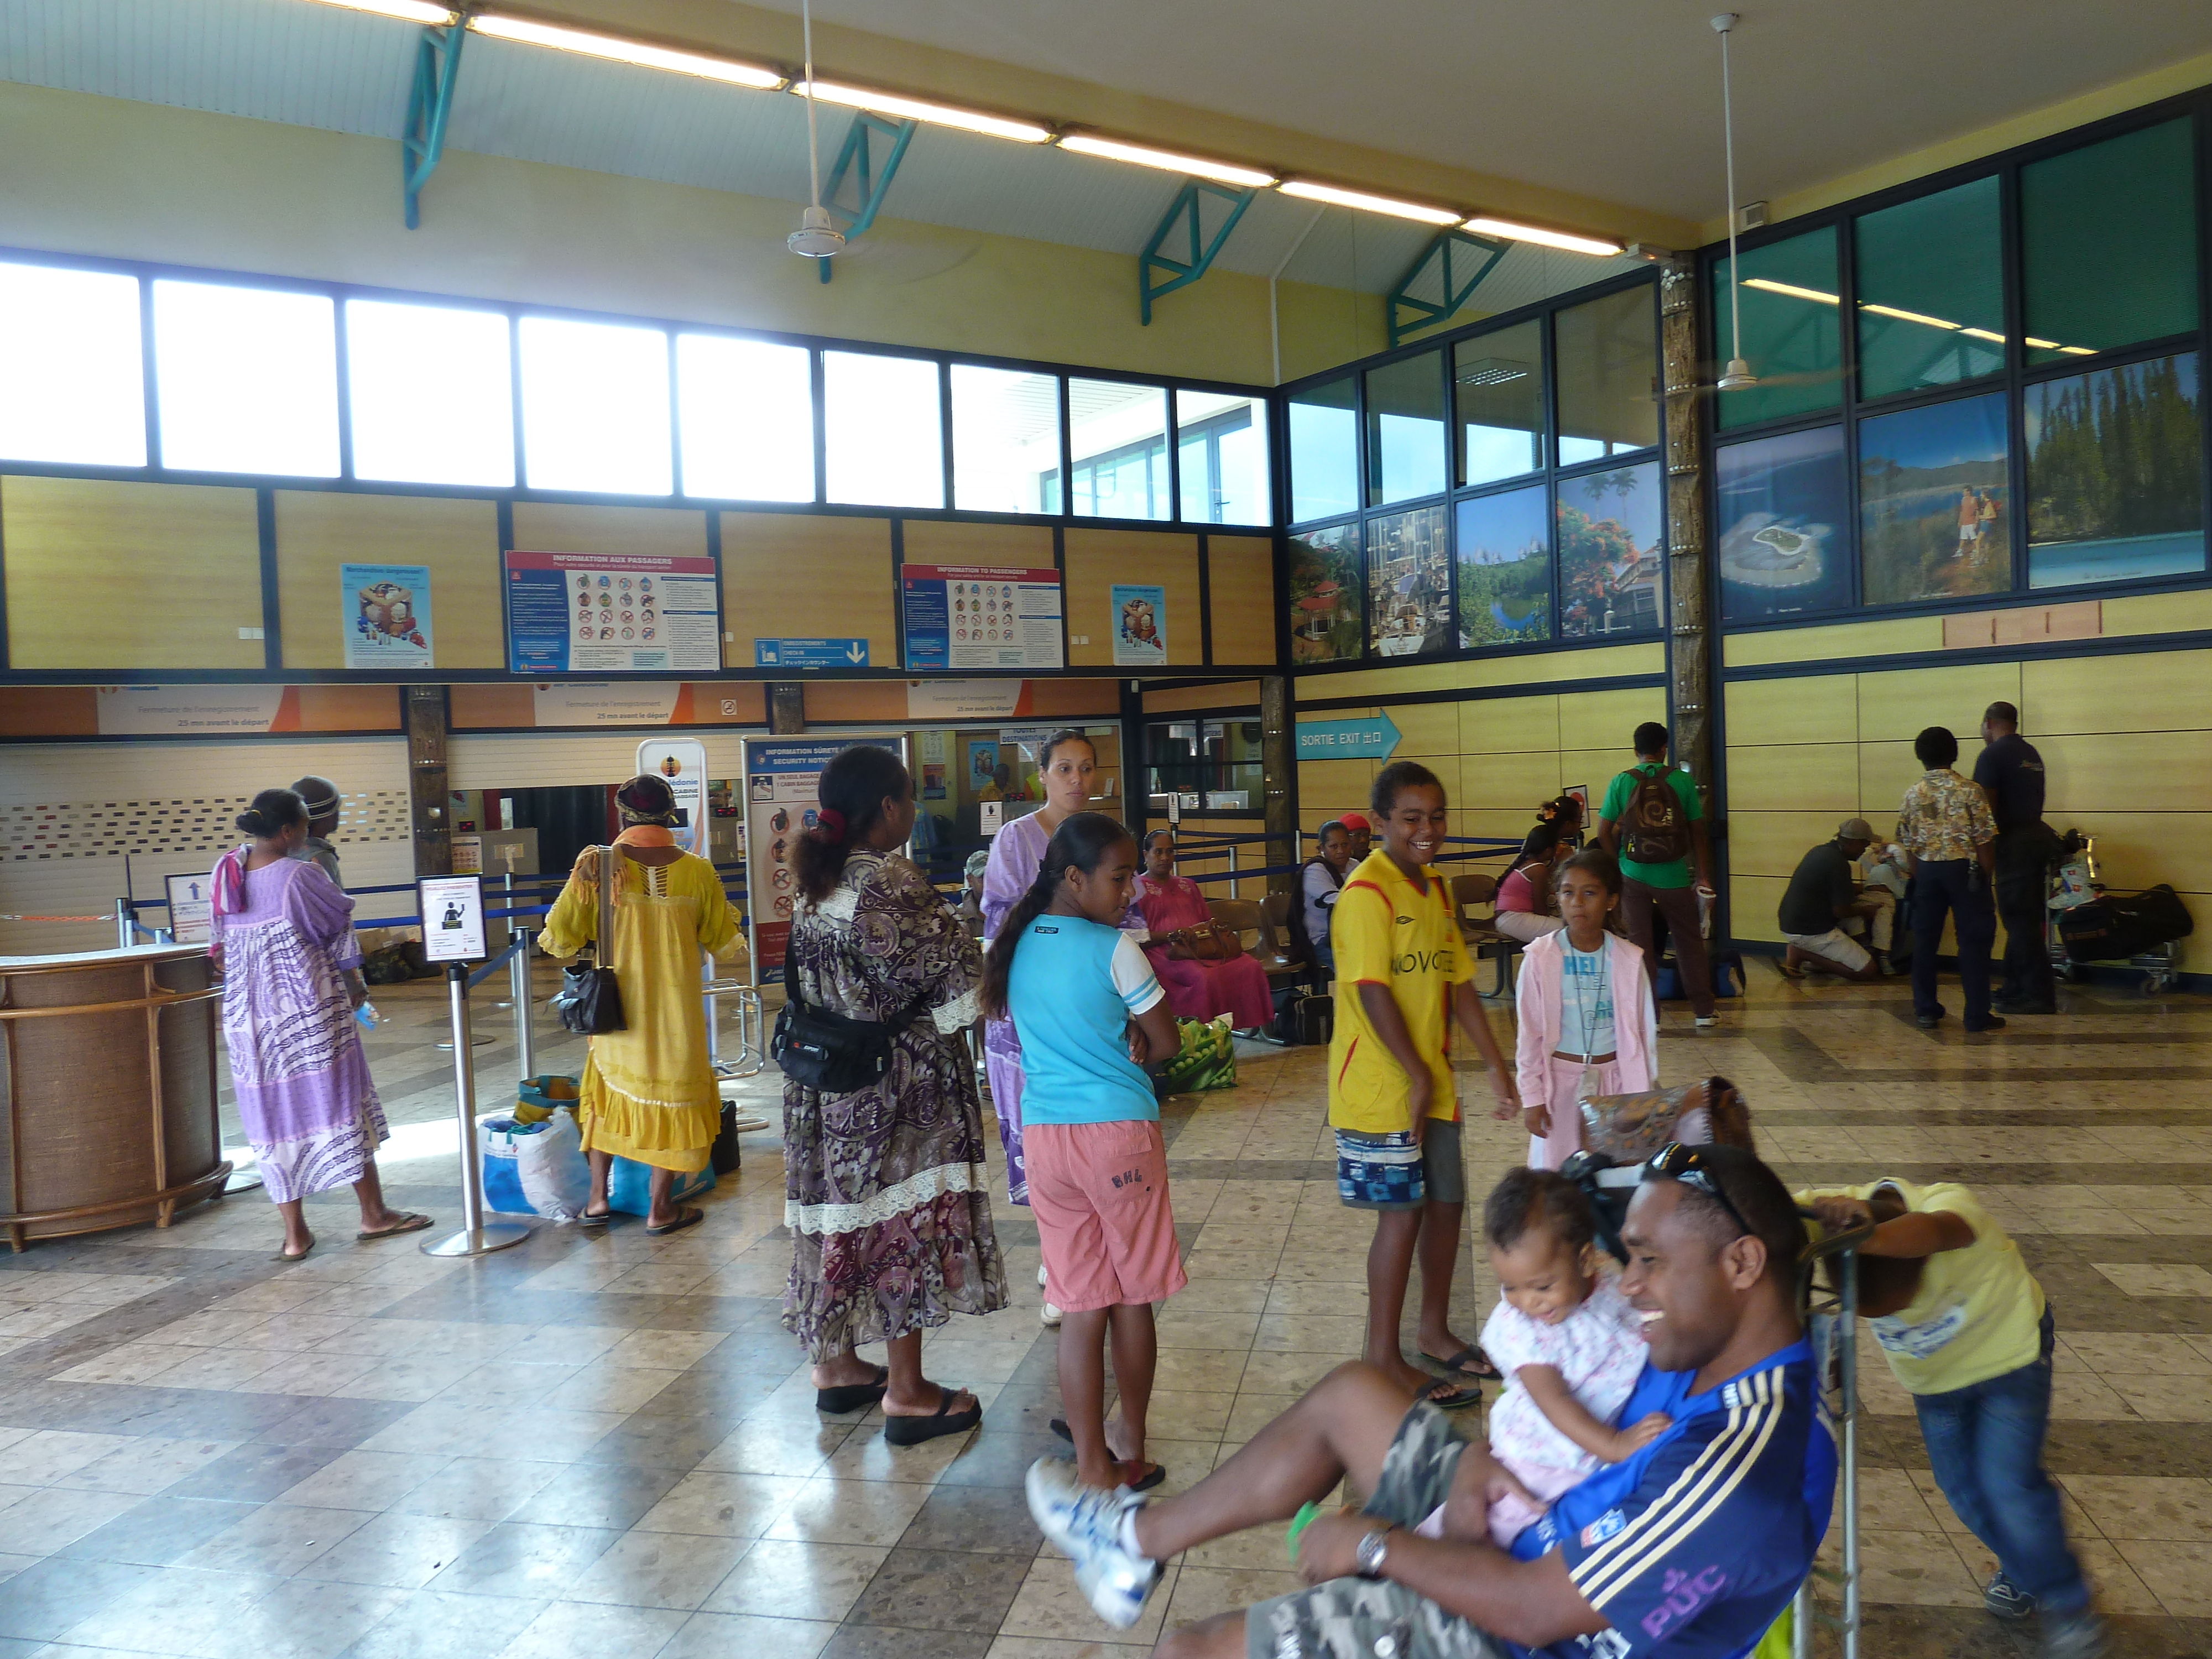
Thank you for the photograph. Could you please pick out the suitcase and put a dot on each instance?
(2116, 926)
(1728, 975)
(1303, 1019)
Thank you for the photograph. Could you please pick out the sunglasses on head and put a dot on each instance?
(1687, 1165)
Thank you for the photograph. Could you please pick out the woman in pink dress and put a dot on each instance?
(1196, 989)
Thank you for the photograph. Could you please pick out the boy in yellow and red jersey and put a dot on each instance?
(1404, 971)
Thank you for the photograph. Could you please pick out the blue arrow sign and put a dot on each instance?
(1367, 739)
(809, 654)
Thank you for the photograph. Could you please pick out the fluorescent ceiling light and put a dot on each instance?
(1514, 232)
(410, 11)
(1791, 289)
(1359, 198)
(918, 109)
(2078, 351)
(1142, 156)
(2043, 345)
(1982, 334)
(640, 52)
(1914, 317)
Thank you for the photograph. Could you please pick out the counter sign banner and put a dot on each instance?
(602, 613)
(960, 617)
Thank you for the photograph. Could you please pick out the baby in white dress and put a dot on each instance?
(1567, 1341)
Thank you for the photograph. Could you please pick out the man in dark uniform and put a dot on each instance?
(2011, 774)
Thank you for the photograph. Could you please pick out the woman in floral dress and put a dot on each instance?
(887, 1192)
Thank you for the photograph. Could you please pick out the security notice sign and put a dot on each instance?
(452, 918)
(602, 613)
(683, 762)
(981, 616)
(783, 801)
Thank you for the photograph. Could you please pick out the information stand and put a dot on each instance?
(453, 934)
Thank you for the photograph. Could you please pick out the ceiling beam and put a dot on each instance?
(423, 141)
(1188, 212)
(870, 182)
(1426, 314)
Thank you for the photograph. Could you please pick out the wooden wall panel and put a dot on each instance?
(2157, 691)
(1820, 708)
(793, 576)
(1595, 769)
(1772, 843)
(1501, 725)
(566, 528)
(1509, 782)
(481, 706)
(49, 711)
(318, 530)
(348, 707)
(1425, 730)
(1090, 699)
(103, 574)
(831, 702)
(1812, 777)
(1607, 719)
(1329, 788)
(1096, 559)
(1240, 576)
(1887, 770)
(2159, 613)
(935, 541)
(2134, 771)
(2140, 849)
(1835, 643)
(1176, 699)
(1537, 668)
(1904, 702)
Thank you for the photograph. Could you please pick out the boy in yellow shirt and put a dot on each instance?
(1969, 1334)
(1405, 967)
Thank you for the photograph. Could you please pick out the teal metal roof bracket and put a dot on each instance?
(870, 181)
(1186, 213)
(437, 67)
(1426, 314)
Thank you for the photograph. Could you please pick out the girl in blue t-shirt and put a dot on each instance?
(1092, 1015)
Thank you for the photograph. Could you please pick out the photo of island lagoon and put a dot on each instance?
(1505, 569)
(1782, 506)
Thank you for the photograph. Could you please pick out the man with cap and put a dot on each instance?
(2010, 773)
(322, 801)
(1824, 907)
(1363, 837)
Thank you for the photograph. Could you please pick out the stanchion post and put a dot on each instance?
(477, 1236)
(124, 922)
(518, 981)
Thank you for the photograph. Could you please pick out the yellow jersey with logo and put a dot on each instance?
(1386, 930)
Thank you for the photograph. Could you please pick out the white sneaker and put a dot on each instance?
(1086, 1524)
(1704, 1020)
(1039, 1275)
(1048, 1314)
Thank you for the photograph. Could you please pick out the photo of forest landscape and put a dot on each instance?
(1409, 576)
(1325, 594)
(2115, 485)
(1505, 568)
(1612, 569)
(1934, 515)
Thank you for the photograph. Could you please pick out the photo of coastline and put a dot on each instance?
(1935, 511)
(2115, 486)
(1782, 506)
(1505, 568)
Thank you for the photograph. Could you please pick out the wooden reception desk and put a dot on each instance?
(107, 1089)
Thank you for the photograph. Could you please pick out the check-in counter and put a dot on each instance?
(107, 1089)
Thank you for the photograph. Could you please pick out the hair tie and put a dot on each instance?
(829, 827)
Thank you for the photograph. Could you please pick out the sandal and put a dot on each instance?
(1159, 1473)
(286, 1255)
(409, 1223)
(1455, 1396)
(913, 1431)
(1469, 1361)
(586, 1219)
(852, 1396)
(689, 1215)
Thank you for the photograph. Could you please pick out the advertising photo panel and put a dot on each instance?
(1505, 569)
(1325, 593)
(1409, 581)
(1612, 558)
(1783, 505)
(2115, 478)
(1935, 510)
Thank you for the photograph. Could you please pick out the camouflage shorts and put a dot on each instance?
(1374, 1619)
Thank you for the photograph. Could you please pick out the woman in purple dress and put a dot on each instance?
(281, 933)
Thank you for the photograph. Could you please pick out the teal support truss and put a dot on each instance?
(1436, 272)
(1188, 215)
(437, 66)
(870, 180)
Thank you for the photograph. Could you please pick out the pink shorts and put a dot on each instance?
(1099, 1192)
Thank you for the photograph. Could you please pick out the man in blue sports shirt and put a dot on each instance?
(1688, 1550)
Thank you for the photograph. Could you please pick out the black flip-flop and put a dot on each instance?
(586, 1219)
(852, 1396)
(1059, 1426)
(1469, 1361)
(687, 1216)
(412, 1222)
(913, 1431)
(1457, 1400)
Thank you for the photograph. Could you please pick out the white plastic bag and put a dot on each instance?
(536, 1169)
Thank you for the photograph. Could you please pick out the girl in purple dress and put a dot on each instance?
(281, 933)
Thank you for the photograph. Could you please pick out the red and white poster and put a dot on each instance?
(981, 616)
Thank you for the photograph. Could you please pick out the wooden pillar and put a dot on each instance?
(430, 801)
(1279, 767)
(1690, 679)
(786, 708)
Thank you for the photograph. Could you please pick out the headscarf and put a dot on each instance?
(646, 798)
(318, 794)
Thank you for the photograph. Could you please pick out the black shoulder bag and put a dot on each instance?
(589, 1001)
(832, 1053)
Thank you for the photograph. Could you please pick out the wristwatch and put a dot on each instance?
(1372, 1549)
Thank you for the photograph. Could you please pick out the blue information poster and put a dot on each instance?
(783, 801)
(963, 617)
(611, 613)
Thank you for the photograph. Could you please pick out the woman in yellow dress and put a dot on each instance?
(648, 1091)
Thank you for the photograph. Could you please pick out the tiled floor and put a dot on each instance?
(606, 1446)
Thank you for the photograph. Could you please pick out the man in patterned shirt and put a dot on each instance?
(1946, 835)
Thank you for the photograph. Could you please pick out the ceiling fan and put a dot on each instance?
(1737, 376)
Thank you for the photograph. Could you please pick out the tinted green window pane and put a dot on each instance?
(2109, 235)
(1934, 509)
(1608, 362)
(1505, 569)
(1324, 451)
(1498, 381)
(1930, 291)
(1791, 335)
(1612, 563)
(2115, 481)
(1404, 429)
(1409, 583)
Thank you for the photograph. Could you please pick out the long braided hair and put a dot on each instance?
(1081, 842)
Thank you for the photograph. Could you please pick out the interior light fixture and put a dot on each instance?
(2077, 351)
(1561, 238)
(530, 31)
(1914, 317)
(408, 11)
(1982, 334)
(921, 109)
(1308, 191)
(1167, 160)
(1771, 286)
(2043, 345)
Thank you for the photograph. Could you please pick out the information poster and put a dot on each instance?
(452, 918)
(982, 763)
(387, 616)
(683, 762)
(1141, 626)
(611, 613)
(981, 616)
(190, 909)
(783, 802)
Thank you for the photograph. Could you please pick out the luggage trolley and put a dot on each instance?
(2073, 885)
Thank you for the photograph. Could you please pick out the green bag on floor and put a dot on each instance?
(1207, 1059)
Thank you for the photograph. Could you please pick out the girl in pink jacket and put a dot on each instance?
(1588, 1022)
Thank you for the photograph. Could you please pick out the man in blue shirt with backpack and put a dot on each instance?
(1653, 821)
